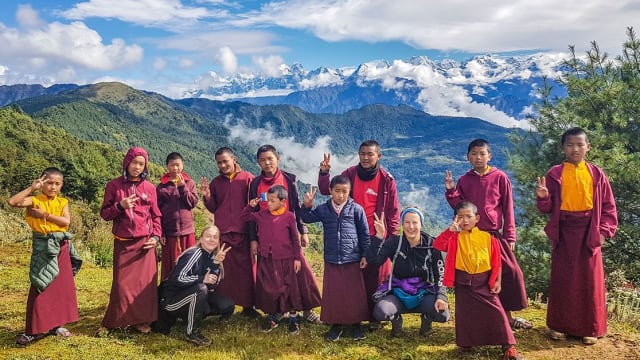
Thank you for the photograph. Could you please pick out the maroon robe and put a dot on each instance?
(57, 304)
(344, 299)
(577, 304)
(228, 198)
(172, 249)
(493, 195)
(480, 317)
(134, 290)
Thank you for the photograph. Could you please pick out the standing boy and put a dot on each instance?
(582, 214)
(225, 197)
(373, 188)
(177, 197)
(490, 189)
(472, 267)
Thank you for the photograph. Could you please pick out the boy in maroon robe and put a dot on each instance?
(271, 174)
(489, 188)
(582, 214)
(130, 201)
(177, 196)
(373, 188)
(225, 197)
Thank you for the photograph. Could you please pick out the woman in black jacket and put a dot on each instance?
(418, 269)
(189, 292)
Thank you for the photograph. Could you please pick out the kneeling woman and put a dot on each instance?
(189, 293)
(418, 270)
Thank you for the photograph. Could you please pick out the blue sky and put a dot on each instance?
(165, 45)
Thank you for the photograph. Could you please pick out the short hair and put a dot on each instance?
(466, 205)
(339, 180)
(370, 142)
(266, 148)
(279, 190)
(174, 156)
(574, 131)
(478, 143)
(224, 150)
(52, 171)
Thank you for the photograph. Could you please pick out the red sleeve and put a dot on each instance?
(496, 261)
(295, 238)
(154, 212)
(441, 242)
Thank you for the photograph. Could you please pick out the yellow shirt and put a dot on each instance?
(577, 187)
(53, 206)
(474, 251)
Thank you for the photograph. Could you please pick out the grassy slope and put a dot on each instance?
(241, 339)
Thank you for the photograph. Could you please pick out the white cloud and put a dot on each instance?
(476, 26)
(185, 63)
(305, 167)
(272, 65)
(159, 63)
(55, 47)
(227, 59)
(143, 12)
(27, 17)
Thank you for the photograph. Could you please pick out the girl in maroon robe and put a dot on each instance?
(130, 202)
(577, 304)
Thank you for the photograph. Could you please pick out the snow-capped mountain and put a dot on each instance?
(495, 88)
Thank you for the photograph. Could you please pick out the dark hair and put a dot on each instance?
(478, 143)
(52, 171)
(224, 150)
(370, 143)
(574, 131)
(278, 190)
(266, 148)
(174, 156)
(465, 205)
(339, 180)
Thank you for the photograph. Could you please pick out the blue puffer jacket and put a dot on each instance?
(346, 237)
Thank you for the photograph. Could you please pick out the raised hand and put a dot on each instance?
(204, 187)
(455, 224)
(541, 190)
(222, 254)
(210, 279)
(129, 201)
(179, 180)
(448, 180)
(37, 184)
(325, 165)
(379, 225)
(308, 197)
(254, 202)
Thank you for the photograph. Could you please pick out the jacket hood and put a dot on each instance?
(132, 153)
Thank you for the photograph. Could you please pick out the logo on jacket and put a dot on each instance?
(370, 191)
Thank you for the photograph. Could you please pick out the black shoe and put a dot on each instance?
(358, 333)
(198, 339)
(269, 324)
(250, 313)
(396, 326)
(425, 325)
(334, 333)
(294, 326)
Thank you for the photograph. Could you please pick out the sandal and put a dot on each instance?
(512, 354)
(62, 332)
(143, 328)
(520, 323)
(24, 339)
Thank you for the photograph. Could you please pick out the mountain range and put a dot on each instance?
(417, 147)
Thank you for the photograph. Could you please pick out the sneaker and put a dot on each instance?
(312, 317)
(425, 326)
(358, 333)
(334, 333)
(24, 339)
(511, 353)
(198, 339)
(396, 326)
(589, 340)
(251, 313)
(556, 335)
(269, 324)
(294, 326)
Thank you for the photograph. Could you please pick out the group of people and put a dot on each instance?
(252, 255)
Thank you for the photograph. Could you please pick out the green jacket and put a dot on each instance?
(44, 258)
